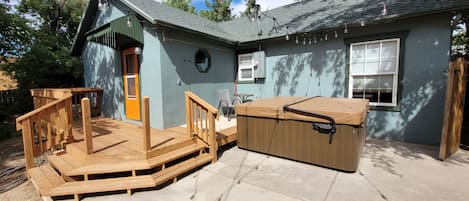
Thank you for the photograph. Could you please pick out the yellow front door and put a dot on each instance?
(131, 84)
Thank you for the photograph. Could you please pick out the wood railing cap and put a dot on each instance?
(39, 110)
(202, 103)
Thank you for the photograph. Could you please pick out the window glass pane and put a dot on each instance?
(372, 50)
(389, 49)
(246, 73)
(372, 67)
(245, 60)
(358, 86)
(129, 64)
(358, 53)
(131, 88)
(357, 68)
(372, 88)
(388, 66)
(386, 85)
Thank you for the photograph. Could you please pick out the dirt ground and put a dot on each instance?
(11, 155)
(6, 82)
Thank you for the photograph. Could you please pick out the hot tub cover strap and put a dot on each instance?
(327, 128)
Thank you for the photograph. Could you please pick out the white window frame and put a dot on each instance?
(132, 97)
(394, 74)
(240, 67)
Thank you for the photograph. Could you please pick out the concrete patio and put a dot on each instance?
(388, 171)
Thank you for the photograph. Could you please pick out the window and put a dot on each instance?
(245, 67)
(202, 60)
(374, 69)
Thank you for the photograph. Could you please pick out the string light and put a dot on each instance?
(384, 11)
(315, 40)
(325, 37)
(296, 40)
(309, 41)
(129, 22)
(288, 33)
(304, 39)
(164, 36)
(345, 29)
(362, 22)
(335, 34)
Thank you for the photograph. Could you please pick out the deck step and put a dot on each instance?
(45, 178)
(226, 136)
(63, 163)
(103, 185)
(108, 166)
(128, 183)
(180, 168)
(175, 154)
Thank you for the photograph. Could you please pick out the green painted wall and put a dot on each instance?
(320, 70)
(180, 74)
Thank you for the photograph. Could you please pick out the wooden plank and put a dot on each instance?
(54, 178)
(188, 116)
(213, 138)
(173, 155)
(86, 117)
(103, 185)
(28, 143)
(200, 101)
(42, 184)
(226, 136)
(181, 168)
(454, 107)
(146, 124)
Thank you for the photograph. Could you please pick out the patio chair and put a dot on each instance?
(225, 103)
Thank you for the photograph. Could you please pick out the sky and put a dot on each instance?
(238, 6)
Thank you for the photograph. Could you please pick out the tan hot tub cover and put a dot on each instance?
(343, 110)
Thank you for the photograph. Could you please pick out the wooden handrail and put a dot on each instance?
(202, 103)
(40, 109)
(200, 122)
(51, 123)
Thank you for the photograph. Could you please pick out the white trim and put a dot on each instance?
(244, 67)
(132, 97)
(393, 74)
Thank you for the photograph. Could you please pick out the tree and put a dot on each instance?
(249, 5)
(13, 33)
(46, 61)
(184, 5)
(219, 10)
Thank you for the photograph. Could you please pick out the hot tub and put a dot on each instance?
(329, 132)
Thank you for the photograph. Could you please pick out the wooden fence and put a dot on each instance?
(8, 97)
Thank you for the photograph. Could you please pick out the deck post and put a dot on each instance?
(146, 124)
(213, 138)
(28, 143)
(188, 115)
(86, 117)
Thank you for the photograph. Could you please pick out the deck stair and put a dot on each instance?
(50, 179)
(108, 155)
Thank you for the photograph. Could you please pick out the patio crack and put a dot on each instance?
(374, 186)
(330, 186)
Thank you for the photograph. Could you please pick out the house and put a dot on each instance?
(397, 58)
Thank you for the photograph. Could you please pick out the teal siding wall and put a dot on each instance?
(297, 70)
(179, 74)
(102, 68)
(150, 76)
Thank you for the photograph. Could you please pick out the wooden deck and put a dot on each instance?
(118, 161)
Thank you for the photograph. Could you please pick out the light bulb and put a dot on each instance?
(296, 40)
(362, 22)
(345, 29)
(287, 37)
(335, 34)
(325, 37)
(315, 40)
(304, 40)
(129, 23)
(384, 11)
(309, 41)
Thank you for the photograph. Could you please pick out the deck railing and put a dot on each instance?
(46, 128)
(200, 121)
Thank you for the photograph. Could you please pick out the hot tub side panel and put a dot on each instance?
(298, 141)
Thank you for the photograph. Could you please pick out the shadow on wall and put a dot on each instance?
(104, 71)
(311, 68)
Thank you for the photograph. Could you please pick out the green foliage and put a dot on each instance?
(13, 33)
(249, 5)
(219, 10)
(184, 5)
(44, 59)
